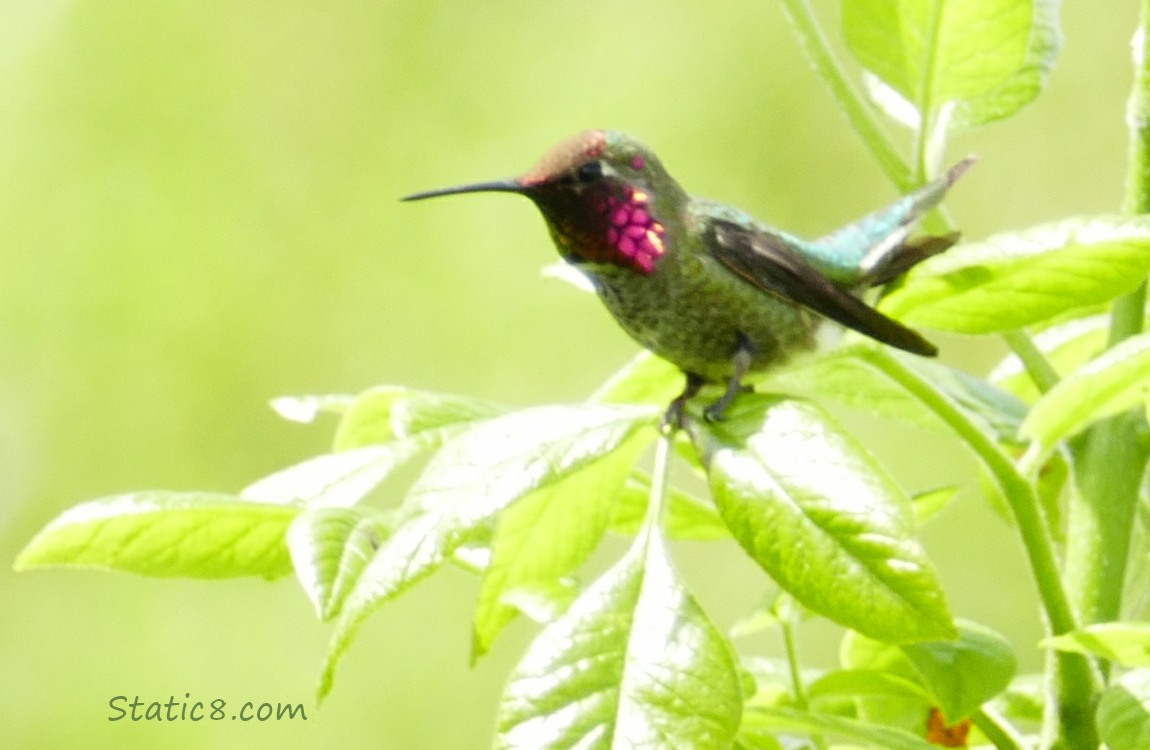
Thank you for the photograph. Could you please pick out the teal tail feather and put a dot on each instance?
(875, 249)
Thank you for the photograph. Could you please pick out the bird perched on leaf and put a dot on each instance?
(702, 284)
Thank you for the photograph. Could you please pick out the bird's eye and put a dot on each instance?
(589, 172)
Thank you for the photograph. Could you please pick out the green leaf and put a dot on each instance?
(1123, 713)
(955, 676)
(1018, 279)
(778, 719)
(904, 709)
(844, 375)
(1125, 643)
(159, 533)
(334, 479)
(421, 412)
(307, 408)
(760, 740)
(997, 411)
(473, 477)
(766, 615)
(330, 548)
(386, 413)
(999, 102)
(815, 510)
(687, 517)
(634, 663)
(543, 602)
(546, 535)
(963, 674)
(1024, 700)
(646, 379)
(930, 503)
(1027, 82)
(936, 51)
(1066, 346)
(1111, 383)
(367, 420)
(873, 683)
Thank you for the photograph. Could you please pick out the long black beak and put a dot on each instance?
(494, 186)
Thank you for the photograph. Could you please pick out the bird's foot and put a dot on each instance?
(676, 411)
(744, 355)
(717, 411)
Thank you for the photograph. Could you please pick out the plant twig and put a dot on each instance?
(998, 730)
(1110, 458)
(1076, 682)
(795, 666)
(657, 500)
(858, 110)
(1037, 366)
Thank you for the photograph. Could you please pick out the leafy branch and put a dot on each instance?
(522, 498)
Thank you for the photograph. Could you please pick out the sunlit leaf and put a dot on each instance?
(421, 412)
(984, 404)
(1125, 643)
(930, 503)
(1123, 713)
(474, 476)
(1113, 382)
(686, 516)
(634, 663)
(334, 479)
(386, 413)
(330, 548)
(1027, 82)
(367, 420)
(1018, 279)
(779, 719)
(954, 676)
(1066, 346)
(872, 683)
(307, 408)
(844, 375)
(764, 616)
(646, 379)
(1024, 700)
(905, 709)
(546, 535)
(1018, 90)
(159, 533)
(814, 509)
(963, 674)
(542, 601)
(937, 51)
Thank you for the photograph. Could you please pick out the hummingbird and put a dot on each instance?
(704, 285)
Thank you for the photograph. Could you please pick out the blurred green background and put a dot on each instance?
(198, 213)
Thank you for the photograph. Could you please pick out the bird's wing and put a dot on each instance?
(773, 265)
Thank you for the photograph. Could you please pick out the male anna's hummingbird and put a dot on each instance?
(702, 284)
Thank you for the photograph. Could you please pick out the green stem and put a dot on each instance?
(1037, 366)
(857, 109)
(1109, 459)
(1018, 492)
(657, 501)
(1127, 315)
(793, 664)
(1076, 680)
(790, 645)
(998, 730)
